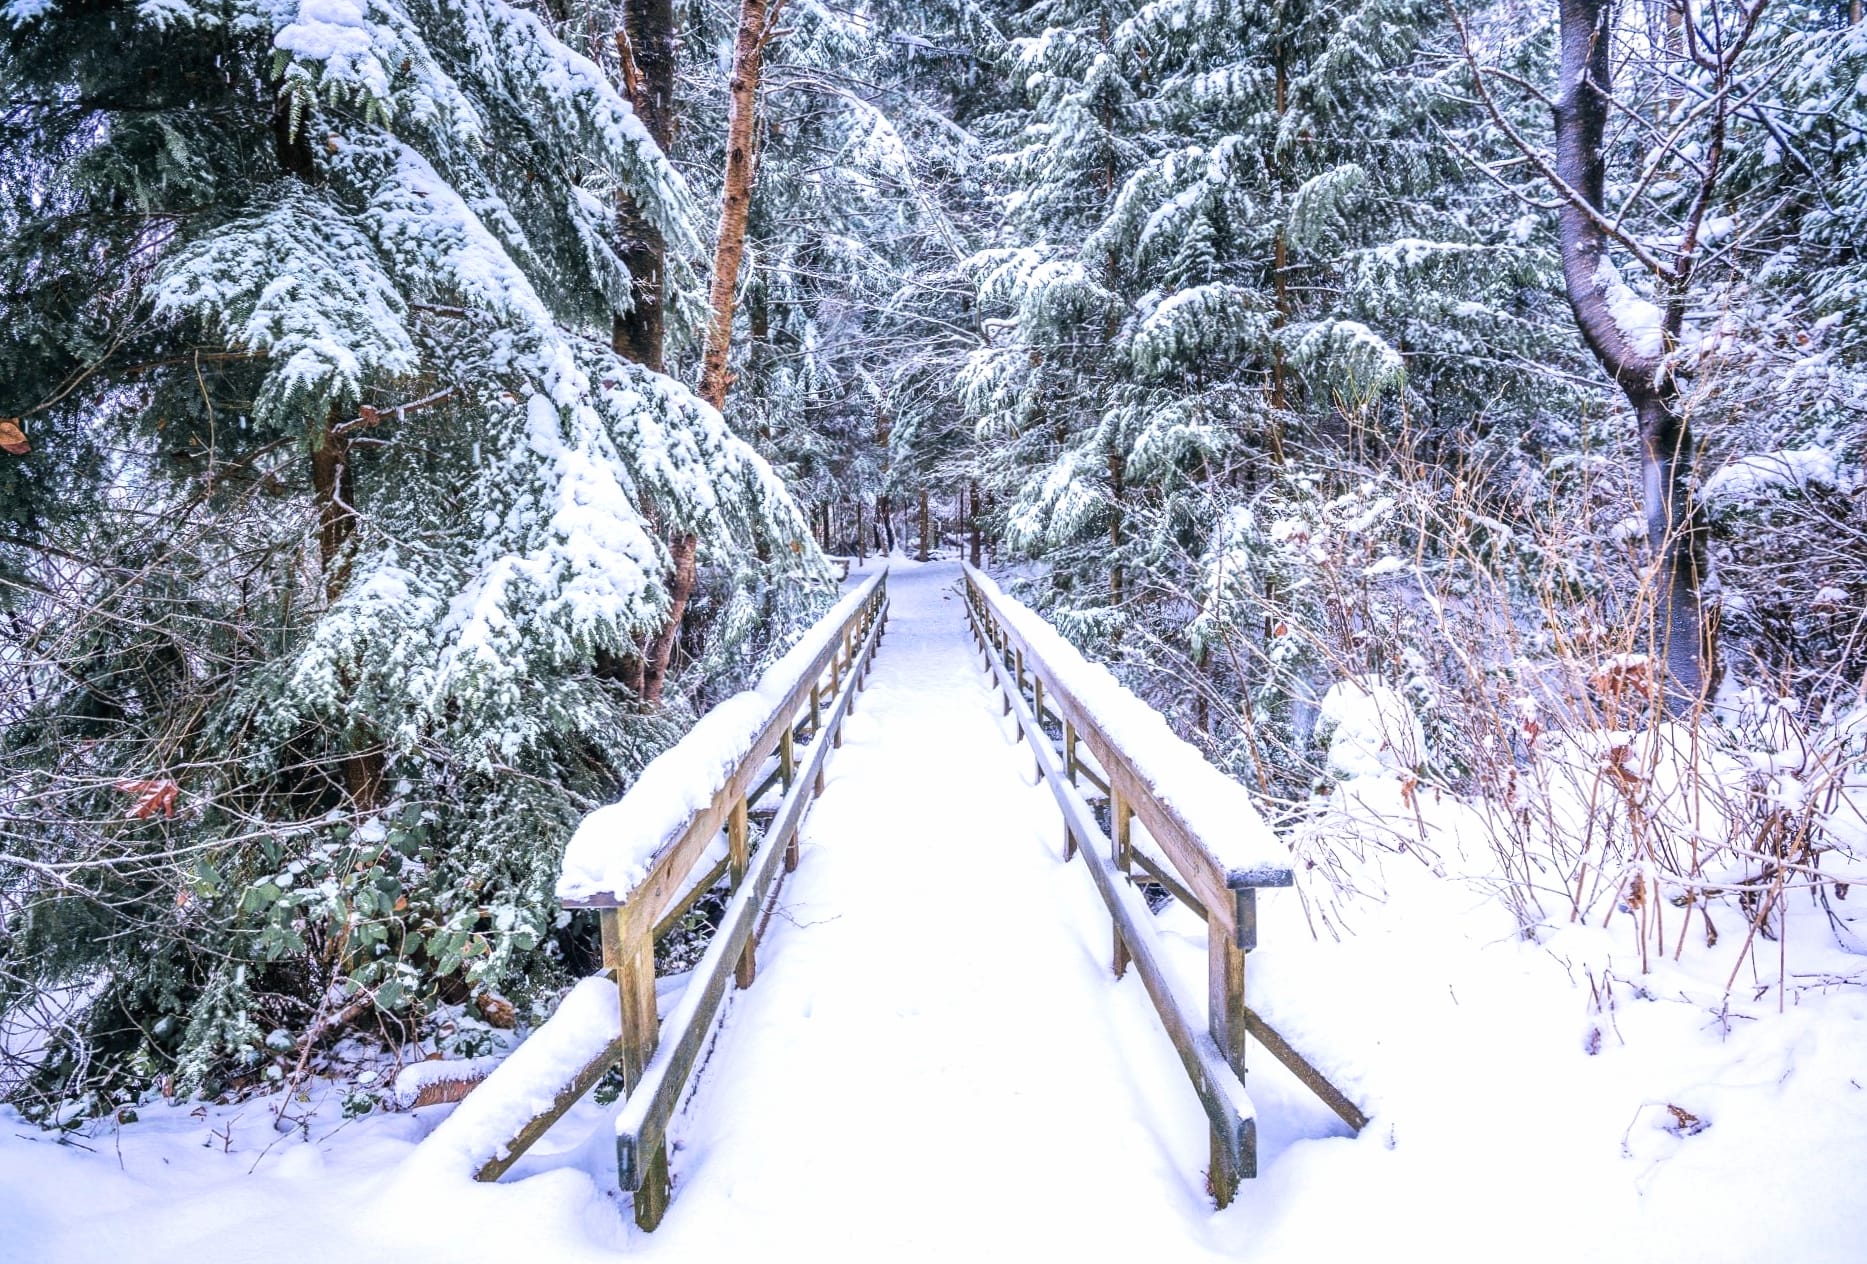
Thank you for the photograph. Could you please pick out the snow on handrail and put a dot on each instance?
(635, 861)
(1175, 792)
(1154, 778)
(615, 846)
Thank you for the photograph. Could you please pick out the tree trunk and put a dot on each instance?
(975, 551)
(755, 29)
(1684, 626)
(1115, 528)
(922, 555)
(646, 46)
(333, 488)
(680, 589)
(1280, 262)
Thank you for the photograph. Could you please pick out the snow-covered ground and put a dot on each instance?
(936, 1064)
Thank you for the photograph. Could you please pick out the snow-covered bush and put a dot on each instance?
(1484, 707)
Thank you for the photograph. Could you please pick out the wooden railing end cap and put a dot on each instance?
(1260, 876)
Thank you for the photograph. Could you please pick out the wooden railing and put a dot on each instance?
(1199, 839)
(772, 737)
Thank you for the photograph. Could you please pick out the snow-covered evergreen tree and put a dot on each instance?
(341, 519)
(1235, 237)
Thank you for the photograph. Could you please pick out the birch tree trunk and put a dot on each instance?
(1683, 625)
(757, 23)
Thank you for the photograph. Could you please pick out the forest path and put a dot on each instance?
(935, 1058)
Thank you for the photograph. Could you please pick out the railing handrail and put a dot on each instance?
(1016, 642)
(657, 1088)
(679, 801)
(1203, 820)
(638, 865)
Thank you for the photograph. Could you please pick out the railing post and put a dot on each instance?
(816, 709)
(629, 951)
(1230, 913)
(1120, 817)
(1043, 735)
(787, 766)
(738, 859)
(1225, 1020)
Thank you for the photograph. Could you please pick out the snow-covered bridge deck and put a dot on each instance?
(936, 1057)
(936, 1051)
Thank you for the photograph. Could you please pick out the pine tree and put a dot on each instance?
(1234, 241)
(342, 517)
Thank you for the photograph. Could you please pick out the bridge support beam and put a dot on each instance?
(787, 766)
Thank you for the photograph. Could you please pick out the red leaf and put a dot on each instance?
(151, 797)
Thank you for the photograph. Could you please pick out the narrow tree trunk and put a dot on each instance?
(1676, 529)
(333, 489)
(645, 45)
(742, 122)
(862, 541)
(975, 550)
(680, 589)
(755, 29)
(1280, 261)
(1115, 528)
(922, 554)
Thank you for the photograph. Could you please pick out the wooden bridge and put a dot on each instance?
(897, 1044)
